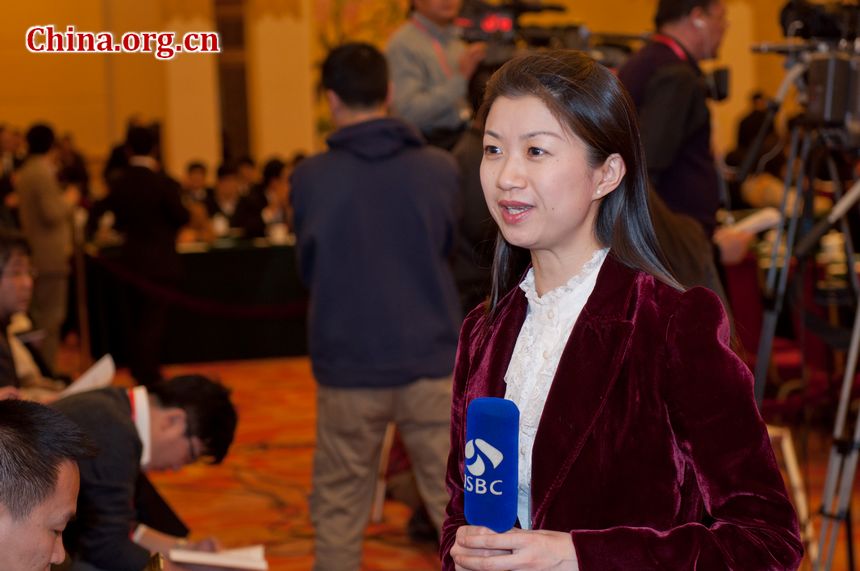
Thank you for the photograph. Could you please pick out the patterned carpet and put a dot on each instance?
(259, 495)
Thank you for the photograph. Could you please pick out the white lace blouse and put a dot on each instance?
(549, 321)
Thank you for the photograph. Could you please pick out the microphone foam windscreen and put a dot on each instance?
(491, 463)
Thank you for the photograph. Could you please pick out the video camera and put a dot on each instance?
(831, 21)
(830, 55)
(498, 26)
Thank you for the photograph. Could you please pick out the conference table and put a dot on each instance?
(236, 300)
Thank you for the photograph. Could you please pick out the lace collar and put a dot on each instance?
(553, 297)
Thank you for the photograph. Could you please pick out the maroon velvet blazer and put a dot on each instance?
(650, 450)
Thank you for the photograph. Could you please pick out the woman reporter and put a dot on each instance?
(641, 446)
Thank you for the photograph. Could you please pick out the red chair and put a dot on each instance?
(802, 370)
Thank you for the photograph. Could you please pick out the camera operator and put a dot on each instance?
(430, 70)
(670, 94)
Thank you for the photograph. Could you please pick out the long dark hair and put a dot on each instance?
(589, 100)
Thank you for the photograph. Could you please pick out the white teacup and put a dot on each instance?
(277, 233)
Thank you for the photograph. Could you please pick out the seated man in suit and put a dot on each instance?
(16, 290)
(249, 174)
(23, 373)
(221, 204)
(194, 186)
(162, 427)
(267, 205)
(39, 451)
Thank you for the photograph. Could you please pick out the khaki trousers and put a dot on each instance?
(48, 310)
(350, 428)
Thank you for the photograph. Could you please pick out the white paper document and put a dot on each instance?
(98, 376)
(759, 221)
(253, 557)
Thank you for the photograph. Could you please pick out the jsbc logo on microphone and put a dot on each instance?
(478, 453)
(490, 458)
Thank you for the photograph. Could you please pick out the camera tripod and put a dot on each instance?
(842, 462)
(831, 136)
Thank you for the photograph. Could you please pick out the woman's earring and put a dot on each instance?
(598, 193)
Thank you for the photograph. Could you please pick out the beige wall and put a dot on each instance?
(135, 82)
(67, 90)
(93, 95)
(736, 55)
(280, 88)
(192, 117)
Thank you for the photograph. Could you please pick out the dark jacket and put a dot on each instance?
(650, 449)
(687, 250)
(249, 213)
(476, 234)
(106, 514)
(149, 213)
(8, 374)
(670, 97)
(213, 208)
(374, 222)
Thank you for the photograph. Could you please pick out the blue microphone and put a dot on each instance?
(491, 463)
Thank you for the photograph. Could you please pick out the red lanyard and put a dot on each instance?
(672, 44)
(131, 402)
(437, 47)
(130, 393)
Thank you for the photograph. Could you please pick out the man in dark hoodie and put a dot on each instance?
(374, 221)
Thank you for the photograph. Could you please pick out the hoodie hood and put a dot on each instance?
(376, 139)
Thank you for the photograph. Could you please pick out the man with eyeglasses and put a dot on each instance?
(121, 520)
(16, 290)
